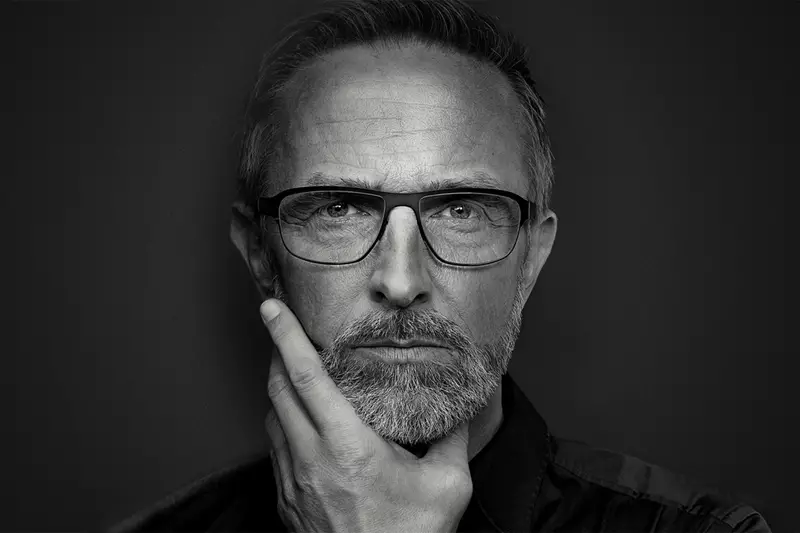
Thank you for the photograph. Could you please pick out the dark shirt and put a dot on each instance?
(523, 480)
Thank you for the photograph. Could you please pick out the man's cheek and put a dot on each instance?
(323, 314)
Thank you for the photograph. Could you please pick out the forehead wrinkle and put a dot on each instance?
(399, 134)
(379, 108)
(322, 122)
(476, 179)
(328, 128)
(416, 104)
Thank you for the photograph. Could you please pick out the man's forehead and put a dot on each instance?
(402, 121)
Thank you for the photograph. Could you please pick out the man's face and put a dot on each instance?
(398, 119)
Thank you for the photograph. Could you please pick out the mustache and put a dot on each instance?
(403, 325)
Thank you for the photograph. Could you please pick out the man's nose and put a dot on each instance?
(400, 278)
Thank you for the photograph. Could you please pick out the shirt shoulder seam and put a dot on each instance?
(574, 470)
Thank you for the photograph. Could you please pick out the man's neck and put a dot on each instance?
(483, 427)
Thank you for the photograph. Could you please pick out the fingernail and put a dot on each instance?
(270, 309)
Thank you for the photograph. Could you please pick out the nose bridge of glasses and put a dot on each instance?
(400, 222)
(392, 201)
(410, 201)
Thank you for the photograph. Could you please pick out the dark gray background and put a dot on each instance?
(135, 358)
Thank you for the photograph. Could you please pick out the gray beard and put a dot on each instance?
(418, 403)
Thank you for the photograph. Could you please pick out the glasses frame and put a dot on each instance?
(269, 206)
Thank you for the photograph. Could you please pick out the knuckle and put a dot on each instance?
(457, 483)
(277, 386)
(306, 464)
(304, 378)
(353, 457)
(465, 486)
(306, 484)
(306, 475)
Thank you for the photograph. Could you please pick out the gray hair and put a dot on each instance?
(451, 25)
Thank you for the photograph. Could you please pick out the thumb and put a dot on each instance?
(451, 449)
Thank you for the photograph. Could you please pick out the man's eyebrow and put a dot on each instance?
(478, 179)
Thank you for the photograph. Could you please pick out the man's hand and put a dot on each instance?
(333, 473)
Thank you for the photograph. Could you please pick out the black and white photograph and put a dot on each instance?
(401, 266)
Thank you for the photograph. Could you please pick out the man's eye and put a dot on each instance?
(337, 209)
(458, 211)
(462, 211)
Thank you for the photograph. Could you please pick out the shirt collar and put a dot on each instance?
(507, 473)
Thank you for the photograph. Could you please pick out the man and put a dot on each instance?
(395, 181)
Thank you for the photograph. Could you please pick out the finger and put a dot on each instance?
(272, 425)
(281, 504)
(451, 449)
(280, 456)
(298, 432)
(277, 440)
(329, 410)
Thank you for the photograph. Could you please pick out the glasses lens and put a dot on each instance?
(330, 226)
(339, 227)
(469, 228)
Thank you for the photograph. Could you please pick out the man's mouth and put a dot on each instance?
(404, 353)
(408, 343)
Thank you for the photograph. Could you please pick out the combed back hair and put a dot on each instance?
(450, 25)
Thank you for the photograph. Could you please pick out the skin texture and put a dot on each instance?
(399, 118)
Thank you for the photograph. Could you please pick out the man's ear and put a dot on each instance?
(246, 237)
(541, 237)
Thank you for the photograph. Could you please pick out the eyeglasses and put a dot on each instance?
(341, 225)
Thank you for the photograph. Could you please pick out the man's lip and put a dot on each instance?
(398, 344)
